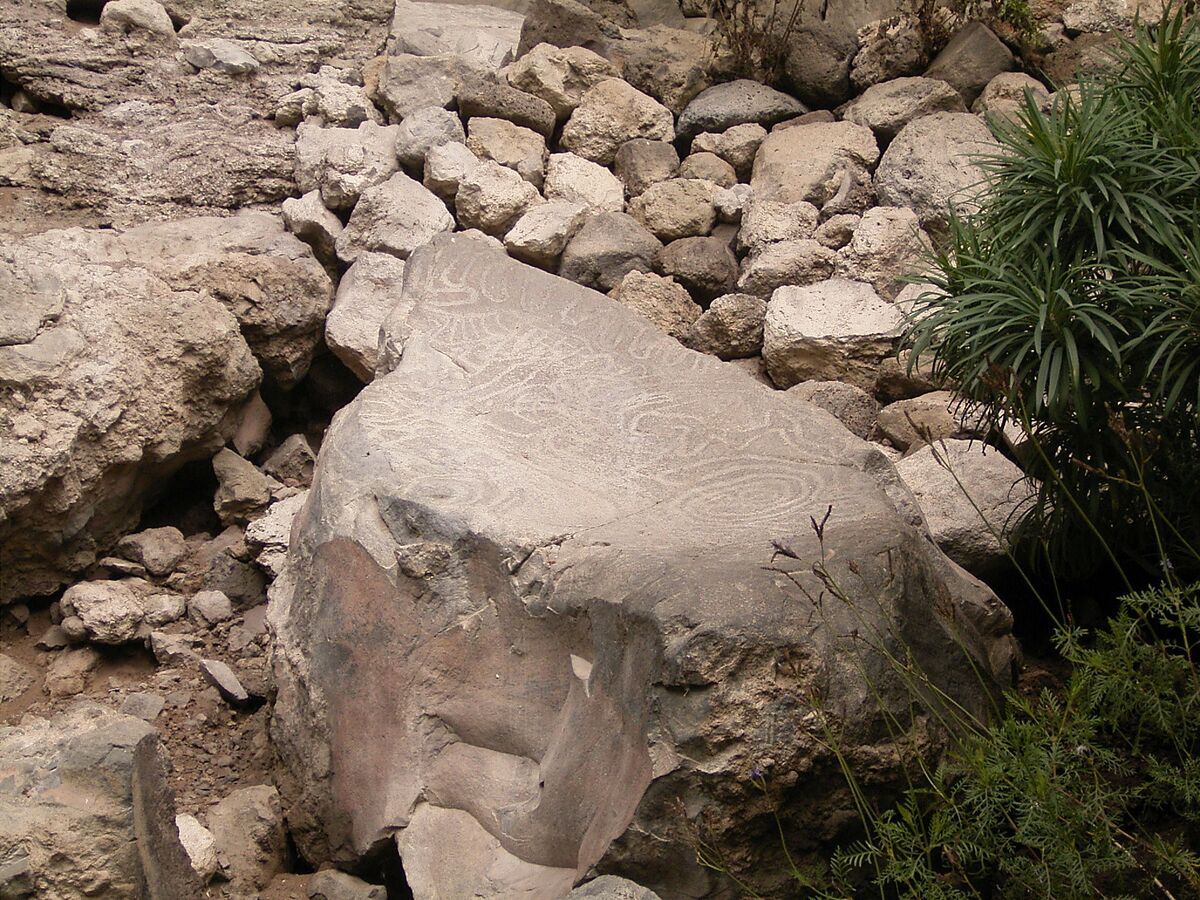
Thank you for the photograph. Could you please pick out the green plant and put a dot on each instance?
(1069, 304)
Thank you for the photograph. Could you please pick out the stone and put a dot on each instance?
(559, 75)
(422, 130)
(973, 57)
(395, 217)
(220, 55)
(708, 167)
(731, 327)
(446, 167)
(676, 208)
(209, 608)
(888, 49)
(159, 550)
(972, 497)
(835, 330)
(817, 65)
(162, 608)
(1004, 95)
(606, 248)
(930, 165)
(140, 365)
(328, 95)
(541, 235)
(816, 163)
(15, 678)
(126, 16)
(481, 98)
(143, 705)
(736, 103)
(492, 197)
(68, 808)
(549, 472)
(225, 680)
(935, 416)
(611, 887)
(409, 83)
(173, 649)
(199, 844)
(705, 266)
(330, 884)
(292, 462)
(69, 672)
(568, 23)
(365, 295)
(1086, 56)
(668, 64)
(248, 828)
(1103, 16)
(785, 263)
(74, 629)
(731, 203)
(611, 113)
(850, 405)
(520, 149)
(837, 231)
(270, 534)
(483, 35)
(658, 299)
(888, 248)
(770, 221)
(224, 564)
(736, 145)
(887, 107)
(309, 219)
(640, 163)
(341, 163)
(242, 490)
(53, 638)
(574, 179)
(111, 611)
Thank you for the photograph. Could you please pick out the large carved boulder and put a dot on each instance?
(534, 618)
(124, 356)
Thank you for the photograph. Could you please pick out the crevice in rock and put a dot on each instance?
(178, 20)
(85, 11)
(381, 865)
(186, 501)
(13, 96)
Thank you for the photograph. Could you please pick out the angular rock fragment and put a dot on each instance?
(365, 295)
(611, 113)
(395, 217)
(736, 103)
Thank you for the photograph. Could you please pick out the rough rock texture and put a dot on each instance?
(492, 198)
(333, 885)
(365, 295)
(929, 165)
(608, 246)
(709, 167)
(668, 64)
(736, 145)
(518, 516)
(395, 217)
(931, 417)
(66, 813)
(736, 103)
(94, 320)
(888, 49)
(541, 235)
(640, 163)
(658, 299)
(886, 108)
(972, 496)
(409, 82)
(816, 162)
(888, 247)
(769, 221)
(731, 327)
(520, 149)
(973, 57)
(704, 265)
(611, 887)
(836, 330)
(676, 208)
(343, 162)
(250, 838)
(424, 129)
(483, 35)
(446, 167)
(850, 405)
(560, 75)
(610, 114)
(785, 263)
(578, 180)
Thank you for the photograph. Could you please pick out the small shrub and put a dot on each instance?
(1070, 304)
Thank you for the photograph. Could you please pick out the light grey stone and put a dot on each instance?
(493, 197)
(888, 248)
(606, 248)
(560, 75)
(611, 113)
(341, 163)
(973, 57)
(210, 608)
(834, 330)
(850, 405)
(817, 163)
(446, 166)
(224, 679)
(242, 490)
(199, 844)
(676, 208)
(731, 327)
(159, 550)
(736, 103)
(309, 219)
(395, 217)
(540, 236)
(15, 678)
(481, 34)
(575, 179)
(887, 107)
(365, 295)
(422, 130)
(137, 15)
(520, 149)
(770, 221)
(220, 55)
(782, 263)
(659, 300)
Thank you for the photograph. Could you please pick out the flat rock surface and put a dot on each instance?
(530, 597)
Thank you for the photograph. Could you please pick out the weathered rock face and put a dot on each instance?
(527, 610)
(123, 363)
(67, 817)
